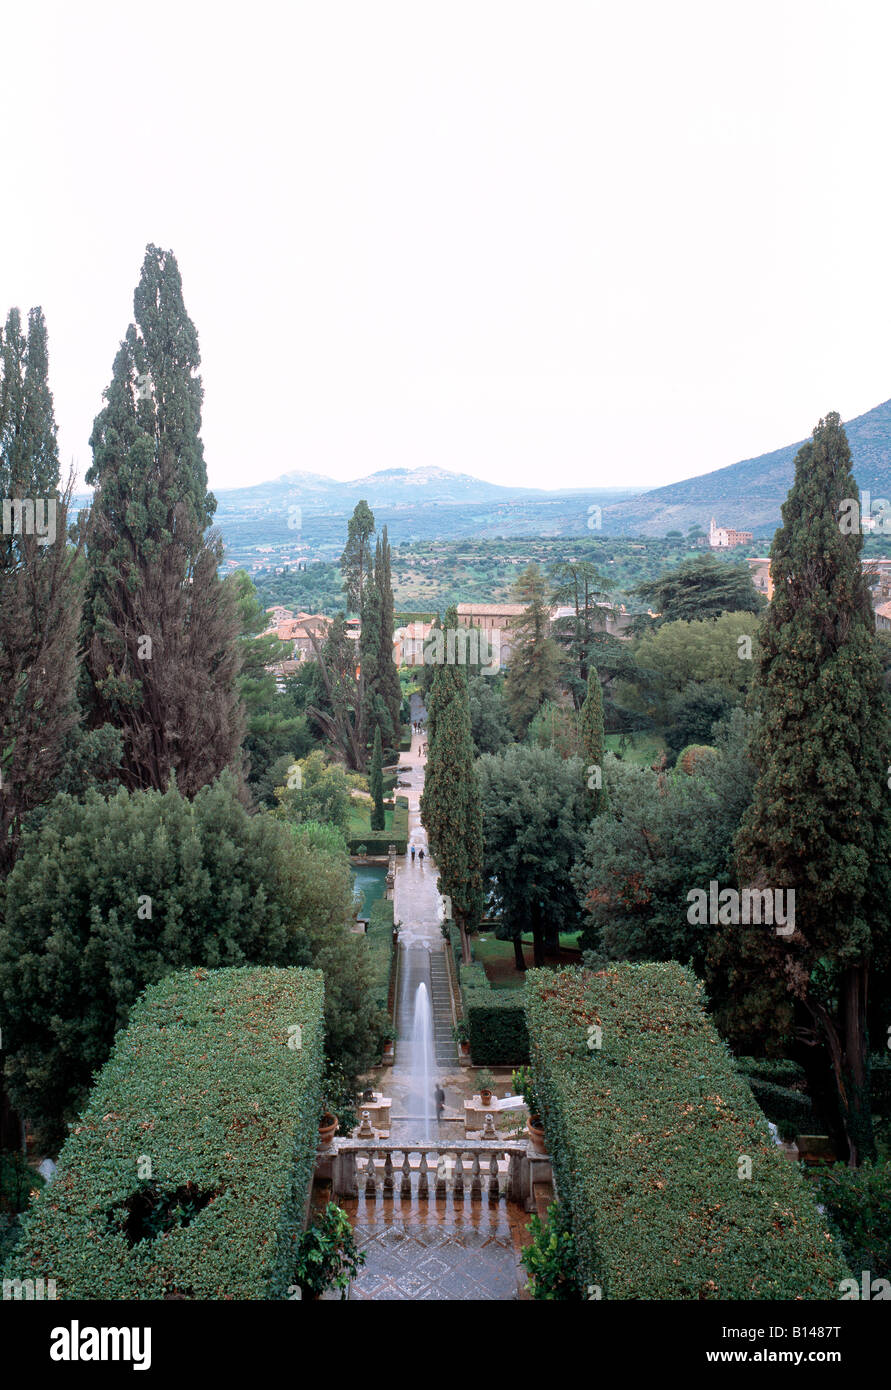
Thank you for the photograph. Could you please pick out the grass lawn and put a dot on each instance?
(359, 823)
(497, 957)
(642, 749)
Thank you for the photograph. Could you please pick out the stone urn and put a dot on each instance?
(327, 1129)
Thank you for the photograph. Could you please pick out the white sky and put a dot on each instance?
(551, 244)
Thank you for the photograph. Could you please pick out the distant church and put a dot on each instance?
(722, 537)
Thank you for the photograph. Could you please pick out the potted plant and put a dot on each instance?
(388, 1039)
(523, 1084)
(461, 1034)
(327, 1257)
(486, 1083)
(338, 1104)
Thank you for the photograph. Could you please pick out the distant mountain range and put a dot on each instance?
(304, 514)
(748, 495)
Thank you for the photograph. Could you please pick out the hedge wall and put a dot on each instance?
(496, 1019)
(496, 1026)
(203, 1083)
(646, 1135)
(379, 936)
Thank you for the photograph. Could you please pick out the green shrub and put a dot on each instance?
(473, 977)
(550, 1258)
(858, 1203)
(175, 884)
(779, 1071)
(379, 936)
(647, 1133)
(204, 1084)
(496, 1024)
(782, 1103)
(327, 1257)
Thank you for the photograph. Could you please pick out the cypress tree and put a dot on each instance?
(376, 783)
(592, 741)
(818, 822)
(389, 688)
(160, 628)
(451, 809)
(532, 671)
(374, 710)
(355, 562)
(40, 587)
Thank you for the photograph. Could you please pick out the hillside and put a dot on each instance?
(748, 495)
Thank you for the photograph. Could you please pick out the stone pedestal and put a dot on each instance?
(378, 1112)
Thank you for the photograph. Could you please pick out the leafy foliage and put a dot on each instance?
(202, 1082)
(819, 820)
(327, 1257)
(703, 587)
(550, 1258)
(78, 945)
(646, 1133)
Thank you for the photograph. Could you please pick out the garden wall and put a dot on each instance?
(648, 1135)
(189, 1170)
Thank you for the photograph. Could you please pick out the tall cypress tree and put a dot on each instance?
(451, 809)
(355, 562)
(389, 687)
(40, 588)
(532, 670)
(160, 628)
(376, 784)
(374, 710)
(593, 742)
(819, 821)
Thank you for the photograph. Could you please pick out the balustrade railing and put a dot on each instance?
(478, 1167)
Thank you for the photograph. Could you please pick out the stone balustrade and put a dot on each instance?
(480, 1168)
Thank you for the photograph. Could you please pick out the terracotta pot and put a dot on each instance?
(536, 1133)
(327, 1129)
(486, 1097)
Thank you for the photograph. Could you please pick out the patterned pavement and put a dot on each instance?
(449, 1254)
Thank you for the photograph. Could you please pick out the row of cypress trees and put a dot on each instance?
(122, 624)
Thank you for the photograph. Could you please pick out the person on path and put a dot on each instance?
(412, 854)
(439, 1097)
(421, 855)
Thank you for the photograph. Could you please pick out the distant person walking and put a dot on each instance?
(439, 1097)
(421, 855)
(412, 854)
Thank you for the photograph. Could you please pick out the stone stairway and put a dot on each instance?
(443, 1018)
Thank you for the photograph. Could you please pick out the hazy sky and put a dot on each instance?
(551, 244)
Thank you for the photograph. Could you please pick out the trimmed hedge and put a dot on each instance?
(379, 936)
(779, 1071)
(496, 1019)
(473, 977)
(377, 843)
(204, 1083)
(783, 1103)
(496, 1026)
(646, 1134)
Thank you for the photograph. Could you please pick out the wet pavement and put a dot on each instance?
(426, 1248)
(450, 1250)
